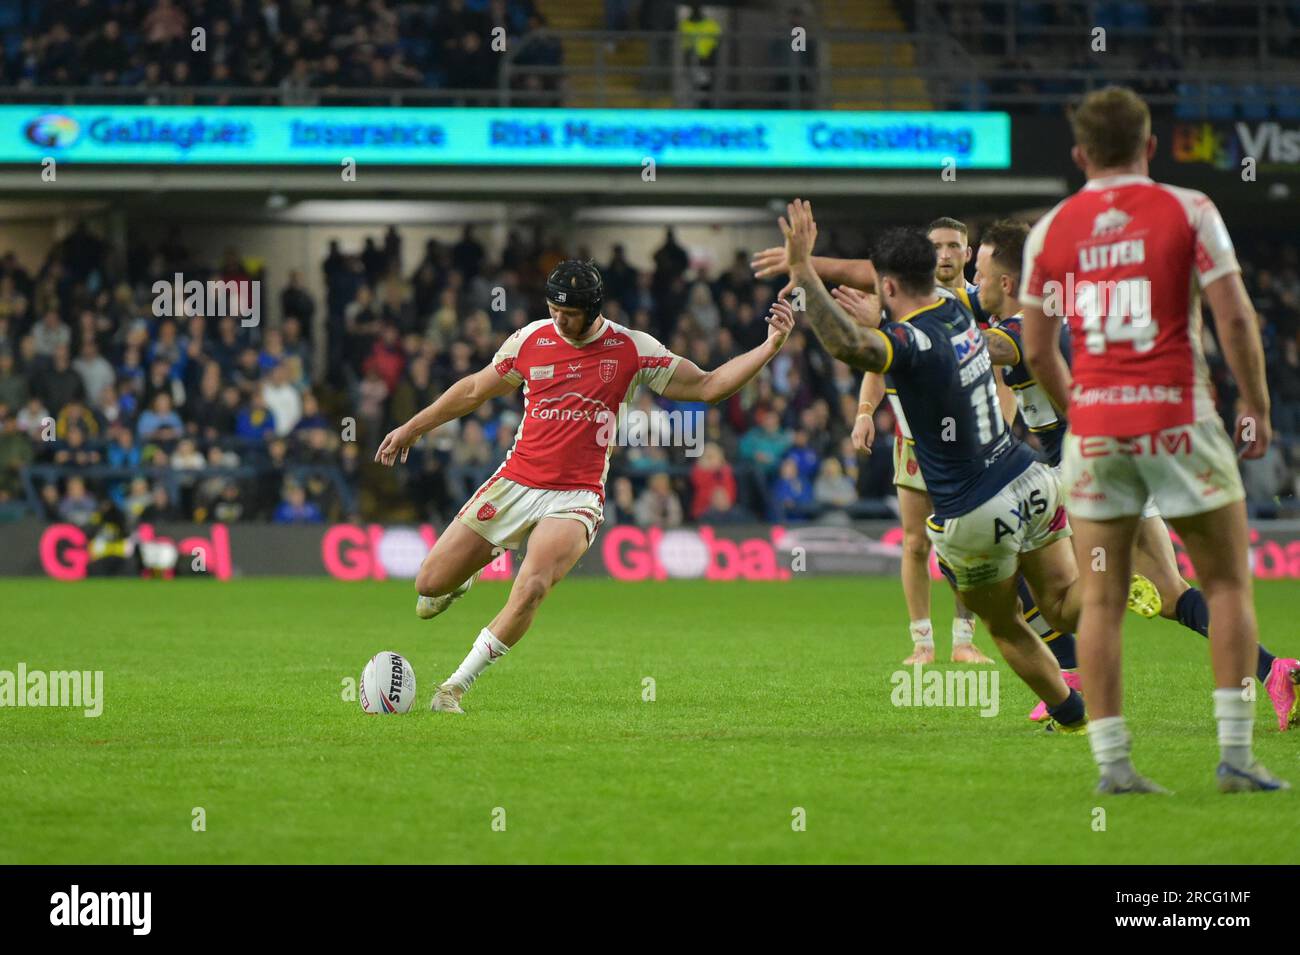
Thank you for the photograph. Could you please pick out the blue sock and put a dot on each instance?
(1062, 645)
(1194, 614)
(1264, 664)
(1070, 711)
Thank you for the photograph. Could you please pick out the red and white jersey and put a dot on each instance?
(1124, 259)
(572, 394)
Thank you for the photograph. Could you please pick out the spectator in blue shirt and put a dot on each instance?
(792, 496)
(296, 509)
(123, 452)
(160, 422)
(804, 457)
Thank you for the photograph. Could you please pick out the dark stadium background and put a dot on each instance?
(377, 294)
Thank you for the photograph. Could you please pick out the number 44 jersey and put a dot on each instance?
(940, 368)
(1124, 260)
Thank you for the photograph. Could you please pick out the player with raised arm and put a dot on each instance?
(576, 368)
(996, 507)
(1127, 260)
(1158, 588)
(856, 277)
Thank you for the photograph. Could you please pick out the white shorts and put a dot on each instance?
(1149, 508)
(1177, 472)
(984, 546)
(505, 513)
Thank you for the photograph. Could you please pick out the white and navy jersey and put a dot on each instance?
(1041, 416)
(968, 296)
(939, 368)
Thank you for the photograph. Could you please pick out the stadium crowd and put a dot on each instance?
(295, 50)
(1030, 56)
(1027, 53)
(108, 409)
(301, 52)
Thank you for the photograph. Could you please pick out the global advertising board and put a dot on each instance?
(731, 139)
(356, 552)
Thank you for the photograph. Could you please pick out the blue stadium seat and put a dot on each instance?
(972, 94)
(1190, 103)
(1029, 14)
(1252, 102)
(1135, 16)
(1108, 16)
(1222, 102)
(1286, 101)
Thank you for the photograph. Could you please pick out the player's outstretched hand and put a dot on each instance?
(780, 323)
(398, 441)
(769, 263)
(800, 232)
(1254, 434)
(862, 308)
(863, 434)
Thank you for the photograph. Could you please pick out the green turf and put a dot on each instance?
(769, 697)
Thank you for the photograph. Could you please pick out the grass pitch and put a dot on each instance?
(768, 698)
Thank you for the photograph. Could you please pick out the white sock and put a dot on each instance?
(963, 631)
(487, 650)
(1236, 726)
(1109, 740)
(922, 632)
